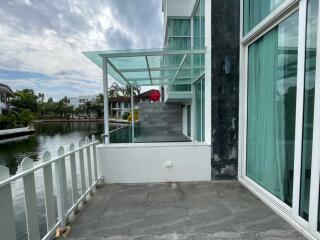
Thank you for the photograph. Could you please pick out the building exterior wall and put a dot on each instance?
(164, 116)
(225, 87)
(77, 101)
(154, 162)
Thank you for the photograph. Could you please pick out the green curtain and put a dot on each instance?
(179, 27)
(176, 29)
(254, 11)
(265, 138)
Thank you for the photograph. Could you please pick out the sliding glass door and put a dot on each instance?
(280, 107)
(272, 83)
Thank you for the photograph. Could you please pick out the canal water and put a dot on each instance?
(48, 137)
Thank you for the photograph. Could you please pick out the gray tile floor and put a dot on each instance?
(210, 210)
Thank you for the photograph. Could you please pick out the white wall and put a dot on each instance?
(146, 162)
(178, 8)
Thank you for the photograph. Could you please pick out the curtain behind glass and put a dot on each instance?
(254, 11)
(179, 27)
(264, 154)
(272, 77)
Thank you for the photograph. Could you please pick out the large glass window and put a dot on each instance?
(309, 86)
(179, 37)
(254, 11)
(199, 42)
(272, 80)
(199, 103)
(199, 33)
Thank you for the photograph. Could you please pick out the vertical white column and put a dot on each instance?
(82, 172)
(94, 154)
(241, 98)
(207, 90)
(315, 165)
(7, 226)
(48, 192)
(132, 115)
(105, 99)
(30, 200)
(299, 106)
(61, 185)
(73, 169)
(87, 142)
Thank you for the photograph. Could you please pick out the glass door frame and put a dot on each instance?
(291, 214)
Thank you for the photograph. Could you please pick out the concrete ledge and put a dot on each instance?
(154, 162)
(16, 132)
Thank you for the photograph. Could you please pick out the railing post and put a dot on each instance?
(60, 170)
(30, 200)
(7, 225)
(82, 172)
(48, 192)
(87, 141)
(74, 182)
(94, 153)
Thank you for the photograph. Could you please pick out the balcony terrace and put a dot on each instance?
(207, 210)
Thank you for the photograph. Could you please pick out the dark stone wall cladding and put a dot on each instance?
(164, 117)
(225, 24)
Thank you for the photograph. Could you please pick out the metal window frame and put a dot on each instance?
(291, 214)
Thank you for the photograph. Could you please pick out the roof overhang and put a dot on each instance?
(146, 67)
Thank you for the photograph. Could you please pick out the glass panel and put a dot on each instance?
(254, 11)
(181, 88)
(166, 61)
(132, 62)
(199, 35)
(136, 74)
(199, 105)
(180, 43)
(179, 27)
(309, 85)
(189, 120)
(272, 80)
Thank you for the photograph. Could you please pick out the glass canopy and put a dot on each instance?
(143, 67)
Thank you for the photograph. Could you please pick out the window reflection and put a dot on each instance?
(272, 79)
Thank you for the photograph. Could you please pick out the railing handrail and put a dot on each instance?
(41, 165)
(88, 179)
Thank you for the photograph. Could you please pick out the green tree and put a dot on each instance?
(114, 90)
(26, 99)
(126, 91)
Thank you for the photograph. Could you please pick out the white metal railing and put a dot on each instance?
(53, 196)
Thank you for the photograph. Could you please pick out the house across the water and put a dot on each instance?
(6, 94)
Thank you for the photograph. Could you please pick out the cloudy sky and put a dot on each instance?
(41, 40)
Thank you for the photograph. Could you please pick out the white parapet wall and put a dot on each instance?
(154, 162)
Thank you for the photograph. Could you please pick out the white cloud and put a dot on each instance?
(48, 37)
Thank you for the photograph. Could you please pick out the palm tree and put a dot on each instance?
(127, 91)
(114, 90)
